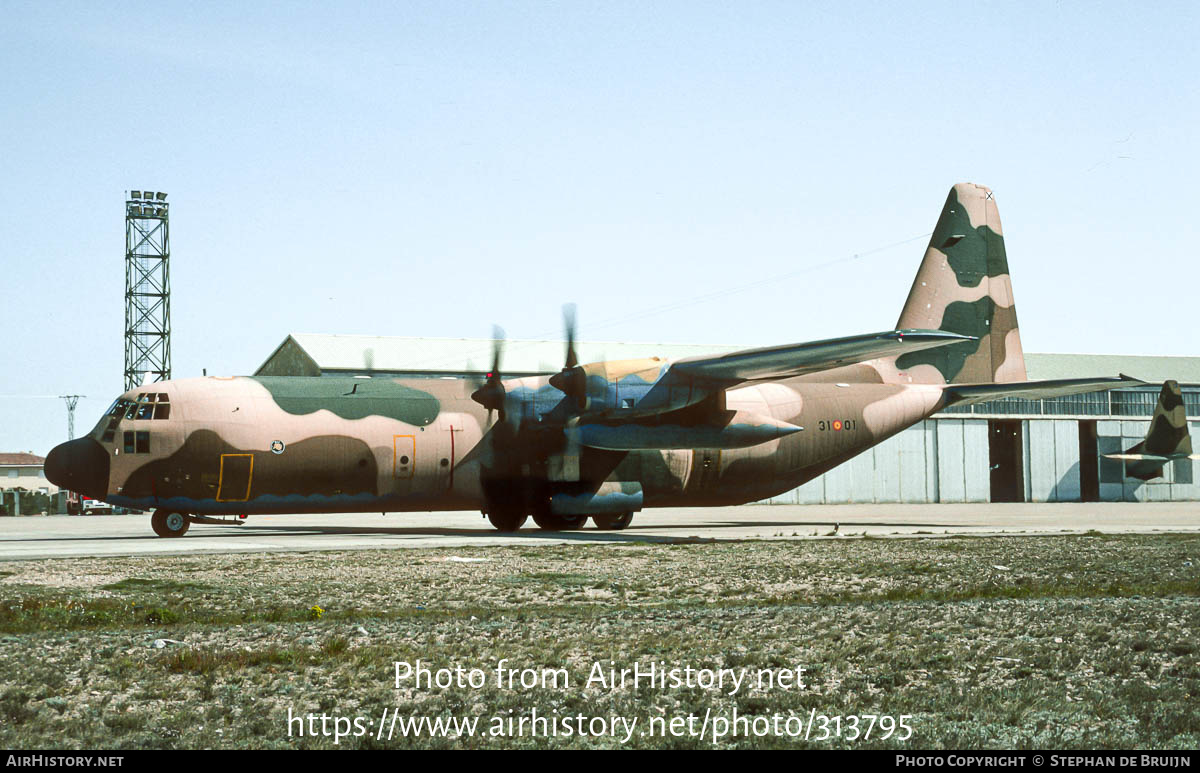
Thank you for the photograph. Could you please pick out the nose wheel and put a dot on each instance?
(168, 523)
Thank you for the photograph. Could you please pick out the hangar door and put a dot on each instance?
(1004, 459)
(1089, 462)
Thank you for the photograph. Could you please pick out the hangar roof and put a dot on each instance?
(309, 354)
(314, 354)
(1185, 370)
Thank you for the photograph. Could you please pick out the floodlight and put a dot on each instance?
(135, 194)
(161, 196)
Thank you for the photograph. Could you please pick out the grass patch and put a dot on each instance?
(156, 585)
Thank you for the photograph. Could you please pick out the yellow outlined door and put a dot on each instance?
(404, 456)
(237, 472)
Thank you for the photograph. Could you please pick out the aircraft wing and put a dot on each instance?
(797, 359)
(967, 394)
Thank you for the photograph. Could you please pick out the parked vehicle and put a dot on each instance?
(95, 507)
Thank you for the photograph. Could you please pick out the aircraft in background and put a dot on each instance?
(600, 440)
(1167, 440)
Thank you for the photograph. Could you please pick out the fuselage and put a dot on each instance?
(246, 445)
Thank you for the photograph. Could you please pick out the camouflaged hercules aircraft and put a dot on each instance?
(601, 440)
(1167, 440)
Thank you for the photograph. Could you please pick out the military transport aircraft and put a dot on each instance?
(1167, 440)
(600, 440)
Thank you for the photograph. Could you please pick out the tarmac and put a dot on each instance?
(39, 537)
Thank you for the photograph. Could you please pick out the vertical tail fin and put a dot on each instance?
(963, 287)
(1168, 433)
(1167, 439)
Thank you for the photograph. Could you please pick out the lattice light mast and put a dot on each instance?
(147, 288)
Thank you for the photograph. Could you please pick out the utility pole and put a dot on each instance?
(72, 400)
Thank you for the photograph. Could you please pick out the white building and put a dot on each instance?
(23, 485)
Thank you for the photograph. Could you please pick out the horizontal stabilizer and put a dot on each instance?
(1150, 457)
(798, 359)
(1136, 457)
(966, 394)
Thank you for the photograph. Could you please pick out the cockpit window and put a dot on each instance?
(114, 414)
(136, 442)
(118, 408)
(144, 406)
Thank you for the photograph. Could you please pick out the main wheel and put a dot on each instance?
(612, 522)
(554, 522)
(168, 523)
(506, 519)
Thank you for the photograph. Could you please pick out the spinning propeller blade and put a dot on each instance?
(492, 395)
(571, 380)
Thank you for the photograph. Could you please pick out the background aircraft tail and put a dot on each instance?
(1167, 439)
(1168, 433)
(963, 287)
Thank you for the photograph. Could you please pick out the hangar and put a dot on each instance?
(1010, 450)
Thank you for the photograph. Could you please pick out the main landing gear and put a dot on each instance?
(506, 519)
(511, 519)
(554, 522)
(612, 522)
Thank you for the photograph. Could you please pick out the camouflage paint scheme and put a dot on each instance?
(1167, 439)
(602, 438)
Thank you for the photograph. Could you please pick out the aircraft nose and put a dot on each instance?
(79, 465)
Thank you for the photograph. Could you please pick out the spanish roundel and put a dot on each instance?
(837, 426)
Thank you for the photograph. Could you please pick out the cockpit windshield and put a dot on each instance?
(144, 406)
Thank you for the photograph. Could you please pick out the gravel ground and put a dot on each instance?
(1064, 641)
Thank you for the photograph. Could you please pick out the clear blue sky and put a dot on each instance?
(430, 169)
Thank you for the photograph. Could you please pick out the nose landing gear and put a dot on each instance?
(168, 523)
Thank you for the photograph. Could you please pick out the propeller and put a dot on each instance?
(569, 324)
(492, 394)
(572, 379)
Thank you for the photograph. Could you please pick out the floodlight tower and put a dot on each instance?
(147, 289)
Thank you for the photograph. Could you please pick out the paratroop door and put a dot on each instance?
(237, 472)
